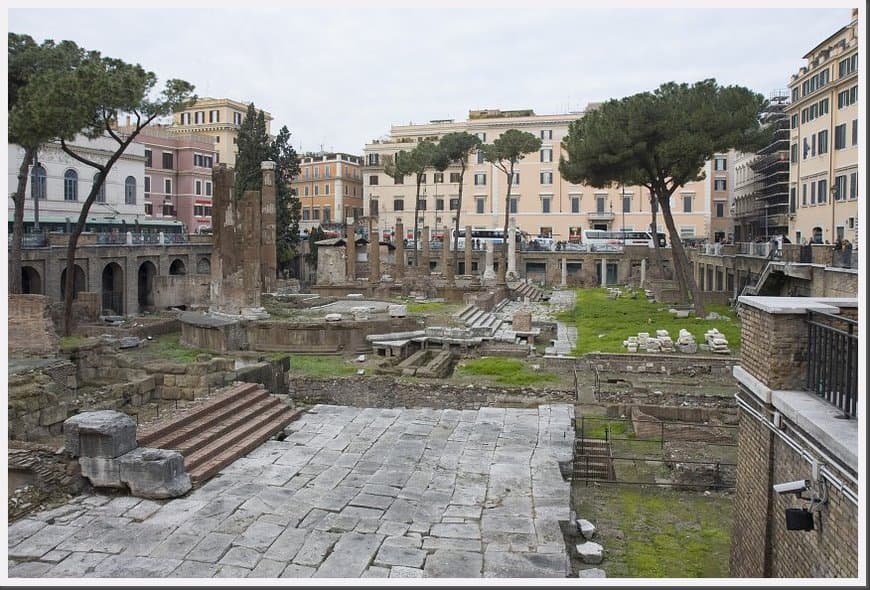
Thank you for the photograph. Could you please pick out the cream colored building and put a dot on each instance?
(823, 171)
(329, 187)
(542, 202)
(219, 118)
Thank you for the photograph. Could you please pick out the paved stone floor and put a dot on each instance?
(351, 492)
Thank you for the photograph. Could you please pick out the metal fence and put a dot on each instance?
(832, 360)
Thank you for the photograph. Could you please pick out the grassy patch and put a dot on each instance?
(603, 323)
(71, 342)
(169, 347)
(505, 371)
(596, 428)
(320, 366)
(661, 533)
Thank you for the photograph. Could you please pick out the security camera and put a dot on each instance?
(791, 487)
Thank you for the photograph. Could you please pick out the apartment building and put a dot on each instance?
(542, 202)
(823, 115)
(330, 189)
(719, 174)
(178, 176)
(219, 118)
(761, 192)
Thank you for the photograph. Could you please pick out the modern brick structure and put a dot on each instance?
(787, 434)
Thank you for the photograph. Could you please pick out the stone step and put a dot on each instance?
(224, 447)
(148, 435)
(202, 435)
(469, 321)
(463, 313)
(241, 446)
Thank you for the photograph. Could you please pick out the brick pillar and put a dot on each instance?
(446, 258)
(350, 252)
(468, 246)
(424, 263)
(374, 252)
(400, 250)
(268, 223)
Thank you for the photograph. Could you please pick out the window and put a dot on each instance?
(316, 189)
(315, 213)
(792, 200)
(214, 116)
(854, 131)
(399, 180)
(199, 117)
(373, 180)
(626, 204)
(373, 160)
(70, 185)
(203, 161)
(795, 94)
(600, 204)
(237, 118)
(853, 186)
(720, 209)
(480, 178)
(546, 178)
(168, 210)
(439, 204)
(545, 204)
(687, 203)
(327, 214)
(794, 121)
(848, 65)
(687, 232)
(129, 191)
(207, 188)
(306, 215)
(147, 186)
(824, 106)
(847, 97)
(480, 204)
(813, 144)
(575, 204)
(546, 134)
(823, 191)
(438, 177)
(823, 141)
(421, 204)
(305, 190)
(515, 179)
(720, 164)
(817, 235)
(454, 204)
(719, 184)
(167, 186)
(797, 236)
(481, 158)
(149, 209)
(454, 177)
(514, 202)
(37, 183)
(325, 189)
(813, 192)
(398, 205)
(327, 172)
(148, 158)
(804, 195)
(317, 172)
(794, 153)
(481, 135)
(167, 160)
(840, 137)
(547, 155)
(373, 207)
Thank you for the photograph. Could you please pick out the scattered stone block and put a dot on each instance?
(154, 473)
(398, 311)
(590, 552)
(592, 572)
(586, 528)
(101, 472)
(333, 317)
(106, 434)
(130, 342)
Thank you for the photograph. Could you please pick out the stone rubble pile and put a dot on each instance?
(589, 551)
(716, 342)
(686, 342)
(661, 342)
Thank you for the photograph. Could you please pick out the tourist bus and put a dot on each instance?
(480, 236)
(599, 237)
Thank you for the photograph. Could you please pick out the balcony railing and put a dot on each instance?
(600, 215)
(832, 360)
(30, 240)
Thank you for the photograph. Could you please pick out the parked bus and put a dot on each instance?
(480, 237)
(598, 237)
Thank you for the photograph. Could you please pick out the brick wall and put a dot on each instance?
(774, 348)
(31, 330)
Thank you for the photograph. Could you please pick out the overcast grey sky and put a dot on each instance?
(340, 76)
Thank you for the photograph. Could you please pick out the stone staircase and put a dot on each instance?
(526, 289)
(216, 433)
(482, 323)
(593, 460)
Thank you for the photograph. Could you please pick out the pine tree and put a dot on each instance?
(254, 148)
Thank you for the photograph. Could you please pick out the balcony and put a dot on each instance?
(600, 215)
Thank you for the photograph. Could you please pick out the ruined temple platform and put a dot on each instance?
(350, 492)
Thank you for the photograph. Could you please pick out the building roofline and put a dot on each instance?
(827, 39)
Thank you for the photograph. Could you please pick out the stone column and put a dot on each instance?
(642, 272)
(424, 263)
(374, 252)
(603, 272)
(512, 249)
(400, 250)
(564, 271)
(350, 252)
(446, 258)
(268, 223)
(468, 246)
(489, 271)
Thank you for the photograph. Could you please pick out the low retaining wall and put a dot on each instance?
(665, 364)
(383, 392)
(39, 400)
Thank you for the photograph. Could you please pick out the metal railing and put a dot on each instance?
(832, 360)
(30, 240)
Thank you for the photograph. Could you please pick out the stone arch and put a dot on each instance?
(203, 267)
(113, 288)
(31, 282)
(177, 267)
(79, 282)
(145, 281)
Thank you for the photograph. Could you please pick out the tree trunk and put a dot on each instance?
(681, 261)
(454, 260)
(658, 265)
(502, 269)
(18, 222)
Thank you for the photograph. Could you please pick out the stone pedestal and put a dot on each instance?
(154, 473)
(105, 434)
(512, 250)
(489, 271)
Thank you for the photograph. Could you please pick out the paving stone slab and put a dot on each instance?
(29, 569)
(337, 523)
(286, 545)
(315, 549)
(124, 566)
(267, 568)
(232, 571)
(42, 541)
(77, 565)
(376, 572)
(393, 528)
(142, 510)
(259, 536)
(211, 548)
(350, 557)
(177, 545)
(240, 557)
(435, 543)
(392, 555)
(195, 569)
(453, 564)
(455, 531)
(370, 501)
(22, 529)
(297, 571)
(55, 556)
(505, 564)
(406, 572)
